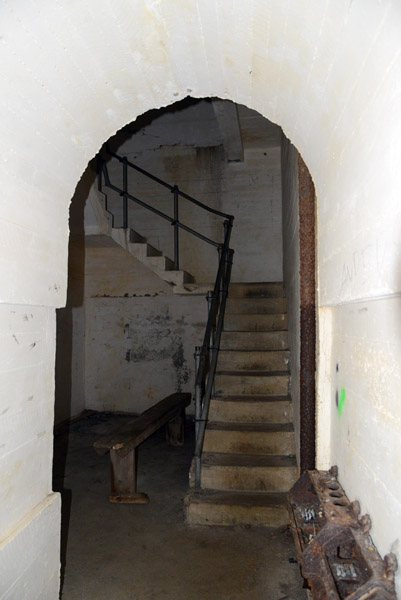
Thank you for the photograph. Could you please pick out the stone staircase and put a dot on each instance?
(152, 258)
(248, 458)
(138, 246)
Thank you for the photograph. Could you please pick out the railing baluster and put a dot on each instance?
(176, 230)
(212, 331)
(198, 390)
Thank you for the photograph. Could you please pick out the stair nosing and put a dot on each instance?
(264, 330)
(262, 314)
(253, 398)
(240, 426)
(249, 350)
(221, 459)
(253, 373)
(238, 498)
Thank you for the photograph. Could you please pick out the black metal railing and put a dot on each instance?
(207, 354)
(174, 189)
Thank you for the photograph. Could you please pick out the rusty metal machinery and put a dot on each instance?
(335, 550)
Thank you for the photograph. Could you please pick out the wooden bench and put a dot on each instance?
(123, 442)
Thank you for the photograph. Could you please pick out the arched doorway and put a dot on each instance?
(133, 324)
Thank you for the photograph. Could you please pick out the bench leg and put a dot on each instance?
(123, 479)
(175, 430)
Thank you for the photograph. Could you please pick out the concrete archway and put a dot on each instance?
(329, 74)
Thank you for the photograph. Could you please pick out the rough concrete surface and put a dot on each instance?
(145, 552)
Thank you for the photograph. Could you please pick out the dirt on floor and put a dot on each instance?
(146, 552)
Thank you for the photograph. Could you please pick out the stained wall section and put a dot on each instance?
(140, 336)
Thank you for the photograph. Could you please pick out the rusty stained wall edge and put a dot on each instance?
(307, 317)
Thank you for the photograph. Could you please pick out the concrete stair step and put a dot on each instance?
(256, 290)
(254, 340)
(249, 438)
(121, 236)
(135, 237)
(142, 250)
(251, 382)
(194, 289)
(251, 409)
(138, 247)
(177, 278)
(249, 360)
(209, 507)
(248, 472)
(274, 322)
(255, 306)
(159, 263)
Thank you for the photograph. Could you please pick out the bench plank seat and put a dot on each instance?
(138, 429)
(122, 444)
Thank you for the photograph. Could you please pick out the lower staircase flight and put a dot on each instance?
(248, 456)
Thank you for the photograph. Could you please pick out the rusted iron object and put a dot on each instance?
(307, 291)
(335, 550)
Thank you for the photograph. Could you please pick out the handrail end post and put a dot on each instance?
(198, 390)
(175, 191)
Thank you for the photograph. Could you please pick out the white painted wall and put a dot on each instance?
(328, 72)
(291, 265)
(366, 424)
(28, 508)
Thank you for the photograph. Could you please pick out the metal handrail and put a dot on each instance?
(166, 185)
(204, 381)
(156, 211)
(207, 354)
(174, 221)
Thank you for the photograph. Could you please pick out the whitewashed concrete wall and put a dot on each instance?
(291, 265)
(29, 511)
(328, 72)
(140, 337)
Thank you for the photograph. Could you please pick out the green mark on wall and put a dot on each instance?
(341, 402)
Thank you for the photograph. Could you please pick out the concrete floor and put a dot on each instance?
(146, 552)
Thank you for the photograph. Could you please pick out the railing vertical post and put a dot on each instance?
(198, 390)
(198, 411)
(209, 298)
(125, 190)
(226, 225)
(176, 231)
